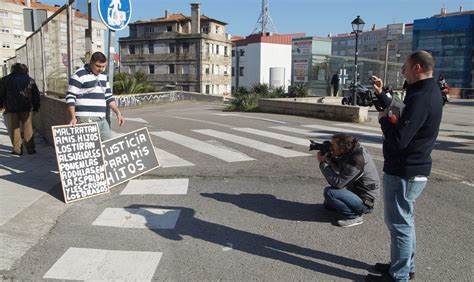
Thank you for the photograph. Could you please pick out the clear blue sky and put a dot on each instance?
(314, 17)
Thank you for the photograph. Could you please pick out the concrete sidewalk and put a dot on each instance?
(30, 197)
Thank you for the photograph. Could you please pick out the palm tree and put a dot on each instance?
(124, 84)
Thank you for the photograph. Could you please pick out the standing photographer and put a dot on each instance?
(353, 179)
(407, 148)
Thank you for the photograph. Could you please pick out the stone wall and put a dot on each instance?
(336, 112)
(135, 100)
(53, 110)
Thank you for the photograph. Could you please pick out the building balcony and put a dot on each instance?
(167, 57)
(172, 77)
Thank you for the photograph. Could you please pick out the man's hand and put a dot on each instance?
(321, 158)
(377, 84)
(383, 114)
(120, 119)
(73, 121)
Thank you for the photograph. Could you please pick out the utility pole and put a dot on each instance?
(265, 22)
(88, 36)
(385, 69)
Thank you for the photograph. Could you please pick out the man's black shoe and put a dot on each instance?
(382, 267)
(385, 277)
(32, 152)
(385, 267)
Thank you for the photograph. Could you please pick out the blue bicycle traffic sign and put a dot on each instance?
(115, 14)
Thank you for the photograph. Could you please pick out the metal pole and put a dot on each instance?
(43, 61)
(386, 63)
(89, 31)
(237, 66)
(110, 57)
(354, 92)
(69, 40)
(199, 64)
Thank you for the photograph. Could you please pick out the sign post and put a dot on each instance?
(394, 32)
(115, 14)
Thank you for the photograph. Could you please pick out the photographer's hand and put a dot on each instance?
(377, 84)
(321, 158)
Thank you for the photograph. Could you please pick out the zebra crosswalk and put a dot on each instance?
(98, 264)
(203, 147)
(265, 147)
(104, 265)
(262, 140)
(115, 265)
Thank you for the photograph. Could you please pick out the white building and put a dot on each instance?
(262, 58)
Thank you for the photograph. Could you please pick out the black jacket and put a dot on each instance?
(19, 93)
(355, 171)
(407, 145)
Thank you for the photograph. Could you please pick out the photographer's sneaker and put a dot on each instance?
(350, 222)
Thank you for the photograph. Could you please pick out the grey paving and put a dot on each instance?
(28, 206)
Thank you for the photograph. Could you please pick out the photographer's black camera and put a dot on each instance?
(324, 147)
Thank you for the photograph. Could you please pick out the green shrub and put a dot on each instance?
(243, 100)
(298, 90)
(125, 84)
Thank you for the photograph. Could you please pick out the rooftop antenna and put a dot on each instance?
(264, 23)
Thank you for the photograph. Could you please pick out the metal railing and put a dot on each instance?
(55, 49)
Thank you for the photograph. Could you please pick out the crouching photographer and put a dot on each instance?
(353, 179)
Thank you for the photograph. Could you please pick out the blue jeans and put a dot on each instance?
(399, 196)
(104, 128)
(344, 202)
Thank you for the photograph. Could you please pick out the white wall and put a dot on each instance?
(257, 61)
(251, 64)
(275, 55)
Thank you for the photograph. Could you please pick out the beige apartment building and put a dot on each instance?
(179, 52)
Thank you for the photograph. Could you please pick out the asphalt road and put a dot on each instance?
(261, 217)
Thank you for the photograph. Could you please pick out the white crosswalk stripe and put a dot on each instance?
(156, 187)
(203, 147)
(268, 148)
(104, 265)
(251, 117)
(325, 135)
(140, 120)
(301, 131)
(150, 218)
(351, 125)
(169, 160)
(268, 134)
(337, 130)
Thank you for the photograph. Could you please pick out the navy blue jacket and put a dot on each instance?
(19, 93)
(407, 145)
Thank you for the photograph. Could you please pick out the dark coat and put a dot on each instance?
(407, 145)
(19, 93)
(355, 171)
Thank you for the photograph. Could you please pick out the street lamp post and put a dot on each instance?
(398, 55)
(357, 26)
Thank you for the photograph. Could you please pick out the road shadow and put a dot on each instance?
(270, 206)
(36, 171)
(259, 245)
